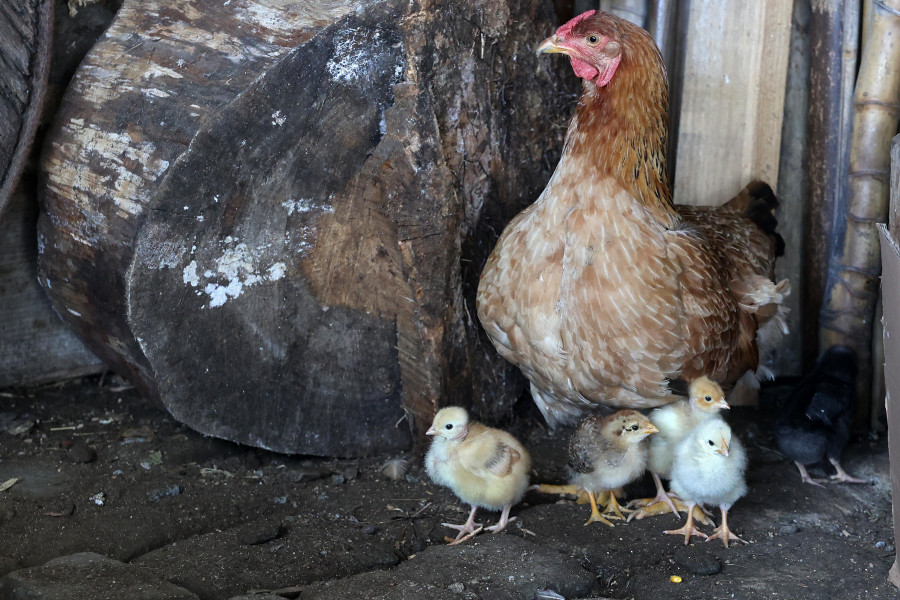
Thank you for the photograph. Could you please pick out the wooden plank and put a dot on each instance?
(732, 98)
(35, 345)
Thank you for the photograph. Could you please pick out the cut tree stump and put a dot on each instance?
(25, 41)
(271, 215)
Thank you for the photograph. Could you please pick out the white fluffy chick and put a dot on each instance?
(675, 421)
(485, 467)
(709, 469)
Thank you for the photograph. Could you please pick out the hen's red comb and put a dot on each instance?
(567, 28)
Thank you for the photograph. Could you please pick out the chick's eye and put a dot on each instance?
(634, 427)
(708, 398)
(593, 40)
(711, 443)
(450, 426)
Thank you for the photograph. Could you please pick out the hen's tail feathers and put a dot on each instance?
(758, 202)
(772, 318)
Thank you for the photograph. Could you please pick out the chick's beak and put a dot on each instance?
(552, 45)
(723, 405)
(723, 448)
(650, 428)
(431, 431)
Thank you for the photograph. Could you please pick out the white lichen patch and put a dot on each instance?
(278, 118)
(238, 267)
(351, 60)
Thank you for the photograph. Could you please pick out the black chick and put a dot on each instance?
(817, 417)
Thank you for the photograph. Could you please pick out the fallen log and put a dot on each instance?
(271, 215)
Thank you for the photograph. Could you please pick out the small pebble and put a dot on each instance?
(370, 529)
(259, 535)
(879, 544)
(157, 495)
(788, 529)
(80, 452)
(456, 587)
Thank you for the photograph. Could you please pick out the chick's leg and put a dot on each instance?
(504, 520)
(805, 478)
(688, 530)
(722, 530)
(613, 509)
(467, 530)
(842, 476)
(546, 488)
(595, 514)
(662, 503)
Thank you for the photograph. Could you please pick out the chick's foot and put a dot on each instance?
(723, 532)
(842, 476)
(613, 509)
(805, 478)
(504, 520)
(688, 530)
(595, 514)
(467, 530)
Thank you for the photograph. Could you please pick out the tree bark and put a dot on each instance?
(271, 215)
(25, 39)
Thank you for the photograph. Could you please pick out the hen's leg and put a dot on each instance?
(595, 514)
(722, 530)
(805, 478)
(688, 530)
(504, 520)
(842, 476)
(467, 530)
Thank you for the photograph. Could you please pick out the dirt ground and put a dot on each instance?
(93, 467)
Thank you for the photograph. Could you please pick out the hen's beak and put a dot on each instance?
(552, 45)
(723, 448)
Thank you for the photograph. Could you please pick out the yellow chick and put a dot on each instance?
(605, 454)
(709, 469)
(675, 421)
(485, 467)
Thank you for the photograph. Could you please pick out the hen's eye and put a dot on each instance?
(450, 426)
(711, 443)
(593, 40)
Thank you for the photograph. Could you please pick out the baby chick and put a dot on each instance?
(709, 469)
(485, 467)
(816, 421)
(675, 421)
(606, 453)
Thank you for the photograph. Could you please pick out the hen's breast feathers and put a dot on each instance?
(592, 298)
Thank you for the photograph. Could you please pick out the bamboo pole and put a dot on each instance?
(855, 266)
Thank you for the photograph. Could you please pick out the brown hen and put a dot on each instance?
(603, 291)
